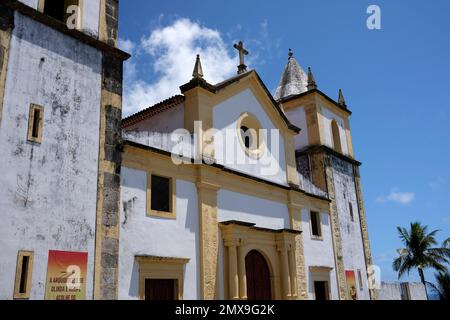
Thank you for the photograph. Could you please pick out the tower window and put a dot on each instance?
(336, 136)
(35, 123)
(60, 10)
(316, 229)
(24, 270)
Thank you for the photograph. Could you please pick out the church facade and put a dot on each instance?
(224, 191)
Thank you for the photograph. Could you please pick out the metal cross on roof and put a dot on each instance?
(242, 53)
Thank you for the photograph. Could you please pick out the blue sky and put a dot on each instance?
(396, 81)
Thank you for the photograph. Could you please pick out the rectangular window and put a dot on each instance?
(35, 123)
(24, 271)
(316, 228)
(161, 196)
(360, 280)
(352, 216)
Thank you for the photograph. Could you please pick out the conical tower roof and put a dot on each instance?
(293, 81)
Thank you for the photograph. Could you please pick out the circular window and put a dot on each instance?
(250, 135)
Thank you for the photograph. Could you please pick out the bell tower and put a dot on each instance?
(60, 135)
(325, 157)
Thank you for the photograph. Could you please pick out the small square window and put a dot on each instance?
(24, 270)
(35, 123)
(316, 228)
(161, 196)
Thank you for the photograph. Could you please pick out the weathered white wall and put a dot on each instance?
(417, 291)
(264, 213)
(272, 165)
(389, 291)
(319, 253)
(90, 14)
(393, 291)
(328, 117)
(143, 235)
(167, 121)
(48, 191)
(352, 243)
(297, 117)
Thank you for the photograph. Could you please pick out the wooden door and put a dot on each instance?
(159, 289)
(258, 277)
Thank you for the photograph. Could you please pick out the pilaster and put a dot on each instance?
(106, 272)
(364, 228)
(209, 235)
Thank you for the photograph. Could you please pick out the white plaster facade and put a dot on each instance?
(319, 254)
(48, 191)
(352, 243)
(272, 165)
(141, 234)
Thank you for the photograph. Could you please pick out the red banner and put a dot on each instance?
(66, 275)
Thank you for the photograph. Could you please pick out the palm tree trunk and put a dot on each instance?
(422, 278)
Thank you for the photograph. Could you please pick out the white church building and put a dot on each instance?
(224, 191)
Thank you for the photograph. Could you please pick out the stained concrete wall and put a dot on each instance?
(144, 235)
(393, 291)
(48, 190)
(352, 243)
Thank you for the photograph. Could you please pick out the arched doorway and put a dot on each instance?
(258, 277)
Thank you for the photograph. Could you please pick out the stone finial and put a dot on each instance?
(290, 54)
(198, 70)
(311, 81)
(341, 99)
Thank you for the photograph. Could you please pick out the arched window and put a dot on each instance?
(250, 136)
(336, 136)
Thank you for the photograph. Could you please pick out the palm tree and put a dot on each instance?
(442, 288)
(420, 252)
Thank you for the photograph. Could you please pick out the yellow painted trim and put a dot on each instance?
(40, 123)
(5, 42)
(162, 268)
(28, 283)
(147, 160)
(173, 194)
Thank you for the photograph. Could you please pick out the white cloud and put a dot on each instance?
(126, 45)
(173, 49)
(398, 197)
